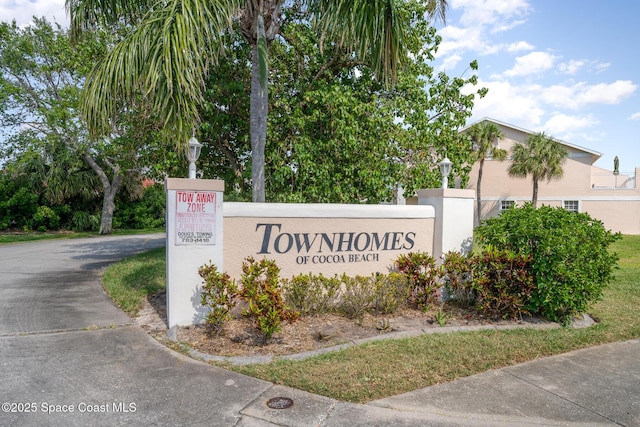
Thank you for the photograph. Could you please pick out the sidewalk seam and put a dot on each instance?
(563, 398)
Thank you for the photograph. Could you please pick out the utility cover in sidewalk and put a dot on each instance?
(280, 403)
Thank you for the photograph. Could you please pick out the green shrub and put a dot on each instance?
(311, 294)
(18, 209)
(456, 275)
(358, 296)
(420, 269)
(45, 219)
(261, 290)
(147, 212)
(84, 221)
(392, 292)
(570, 259)
(218, 295)
(503, 282)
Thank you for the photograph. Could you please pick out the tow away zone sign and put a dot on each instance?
(195, 217)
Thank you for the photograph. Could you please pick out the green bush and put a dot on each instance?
(358, 296)
(570, 259)
(311, 294)
(18, 209)
(261, 290)
(456, 275)
(218, 295)
(148, 212)
(392, 292)
(84, 221)
(420, 269)
(45, 219)
(503, 283)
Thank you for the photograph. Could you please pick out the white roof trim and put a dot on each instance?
(574, 146)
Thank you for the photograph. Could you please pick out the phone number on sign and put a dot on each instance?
(27, 407)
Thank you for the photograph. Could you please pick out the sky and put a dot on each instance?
(570, 68)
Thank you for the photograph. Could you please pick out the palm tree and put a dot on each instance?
(541, 157)
(167, 55)
(484, 137)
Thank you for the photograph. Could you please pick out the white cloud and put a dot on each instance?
(532, 63)
(450, 62)
(601, 67)
(571, 67)
(479, 19)
(493, 13)
(531, 106)
(519, 46)
(24, 10)
(512, 104)
(563, 123)
(580, 94)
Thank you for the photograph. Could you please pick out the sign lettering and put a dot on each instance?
(195, 218)
(332, 248)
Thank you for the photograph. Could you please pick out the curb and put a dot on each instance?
(172, 335)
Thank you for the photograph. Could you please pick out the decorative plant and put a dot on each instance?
(311, 294)
(503, 282)
(456, 275)
(420, 269)
(358, 296)
(218, 294)
(262, 292)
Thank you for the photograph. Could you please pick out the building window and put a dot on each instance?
(571, 205)
(506, 204)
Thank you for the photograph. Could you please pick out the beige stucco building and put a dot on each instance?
(613, 199)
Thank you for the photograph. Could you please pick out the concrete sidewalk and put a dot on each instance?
(593, 387)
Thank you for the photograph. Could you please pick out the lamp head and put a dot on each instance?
(445, 167)
(193, 149)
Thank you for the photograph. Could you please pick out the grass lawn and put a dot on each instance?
(386, 368)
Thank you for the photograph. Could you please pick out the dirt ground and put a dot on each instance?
(240, 338)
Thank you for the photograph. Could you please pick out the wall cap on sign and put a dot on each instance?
(194, 184)
(325, 210)
(451, 193)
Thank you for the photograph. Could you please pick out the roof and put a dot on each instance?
(595, 155)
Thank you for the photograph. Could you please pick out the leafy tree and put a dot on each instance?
(336, 134)
(541, 157)
(484, 137)
(168, 53)
(42, 75)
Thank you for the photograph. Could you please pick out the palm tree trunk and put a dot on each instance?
(534, 200)
(259, 103)
(478, 192)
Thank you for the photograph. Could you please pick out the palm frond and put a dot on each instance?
(88, 14)
(374, 28)
(166, 60)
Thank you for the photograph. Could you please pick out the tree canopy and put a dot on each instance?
(45, 140)
(336, 134)
(173, 44)
(541, 157)
(484, 137)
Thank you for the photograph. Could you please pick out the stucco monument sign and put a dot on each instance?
(325, 238)
(301, 238)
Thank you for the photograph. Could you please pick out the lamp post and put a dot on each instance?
(193, 152)
(445, 170)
